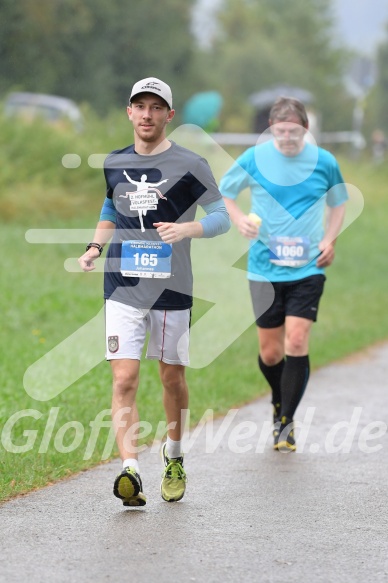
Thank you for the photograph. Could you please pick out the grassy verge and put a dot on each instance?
(42, 304)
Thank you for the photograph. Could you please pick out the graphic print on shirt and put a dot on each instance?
(145, 197)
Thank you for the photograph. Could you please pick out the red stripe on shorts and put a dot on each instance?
(164, 331)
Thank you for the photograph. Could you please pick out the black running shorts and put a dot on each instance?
(292, 298)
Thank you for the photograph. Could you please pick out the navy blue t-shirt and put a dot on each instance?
(148, 189)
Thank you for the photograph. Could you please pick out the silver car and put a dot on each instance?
(55, 110)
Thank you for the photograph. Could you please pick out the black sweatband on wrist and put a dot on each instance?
(96, 246)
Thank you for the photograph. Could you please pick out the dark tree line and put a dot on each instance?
(93, 50)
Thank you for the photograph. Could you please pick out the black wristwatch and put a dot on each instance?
(96, 246)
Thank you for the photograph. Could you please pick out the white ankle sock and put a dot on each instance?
(173, 448)
(131, 462)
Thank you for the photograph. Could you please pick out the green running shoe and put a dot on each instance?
(284, 440)
(174, 478)
(129, 488)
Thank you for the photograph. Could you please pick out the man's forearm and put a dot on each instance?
(103, 232)
(334, 223)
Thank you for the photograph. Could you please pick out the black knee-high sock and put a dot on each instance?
(295, 375)
(273, 375)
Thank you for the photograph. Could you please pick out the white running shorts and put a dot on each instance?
(126, 328)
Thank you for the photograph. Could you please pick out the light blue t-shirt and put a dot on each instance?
(290, 194)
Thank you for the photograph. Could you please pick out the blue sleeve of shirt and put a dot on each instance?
(337, 193)
(217, 219)
(108, 211)
(237, 177)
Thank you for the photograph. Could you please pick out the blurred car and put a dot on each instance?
(53, 109)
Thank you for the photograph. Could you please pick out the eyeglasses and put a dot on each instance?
(287, 131)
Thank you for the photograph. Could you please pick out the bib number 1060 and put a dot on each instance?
(146, 259)
(289, 250)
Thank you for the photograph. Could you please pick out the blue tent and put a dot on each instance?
(203, 109)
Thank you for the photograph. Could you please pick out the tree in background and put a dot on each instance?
(271, 42)
(93, 50)
(375, 103)
(382, 86)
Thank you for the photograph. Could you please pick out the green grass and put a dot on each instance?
(42, 304)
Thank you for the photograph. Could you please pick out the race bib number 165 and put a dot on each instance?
(146, 259)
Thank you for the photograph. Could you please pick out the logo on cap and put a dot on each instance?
(151, 85)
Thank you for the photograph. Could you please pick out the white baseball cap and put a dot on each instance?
(153, 85)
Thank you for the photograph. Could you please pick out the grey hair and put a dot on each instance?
(286, 106)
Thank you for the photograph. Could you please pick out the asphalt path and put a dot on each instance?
(249, 513)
